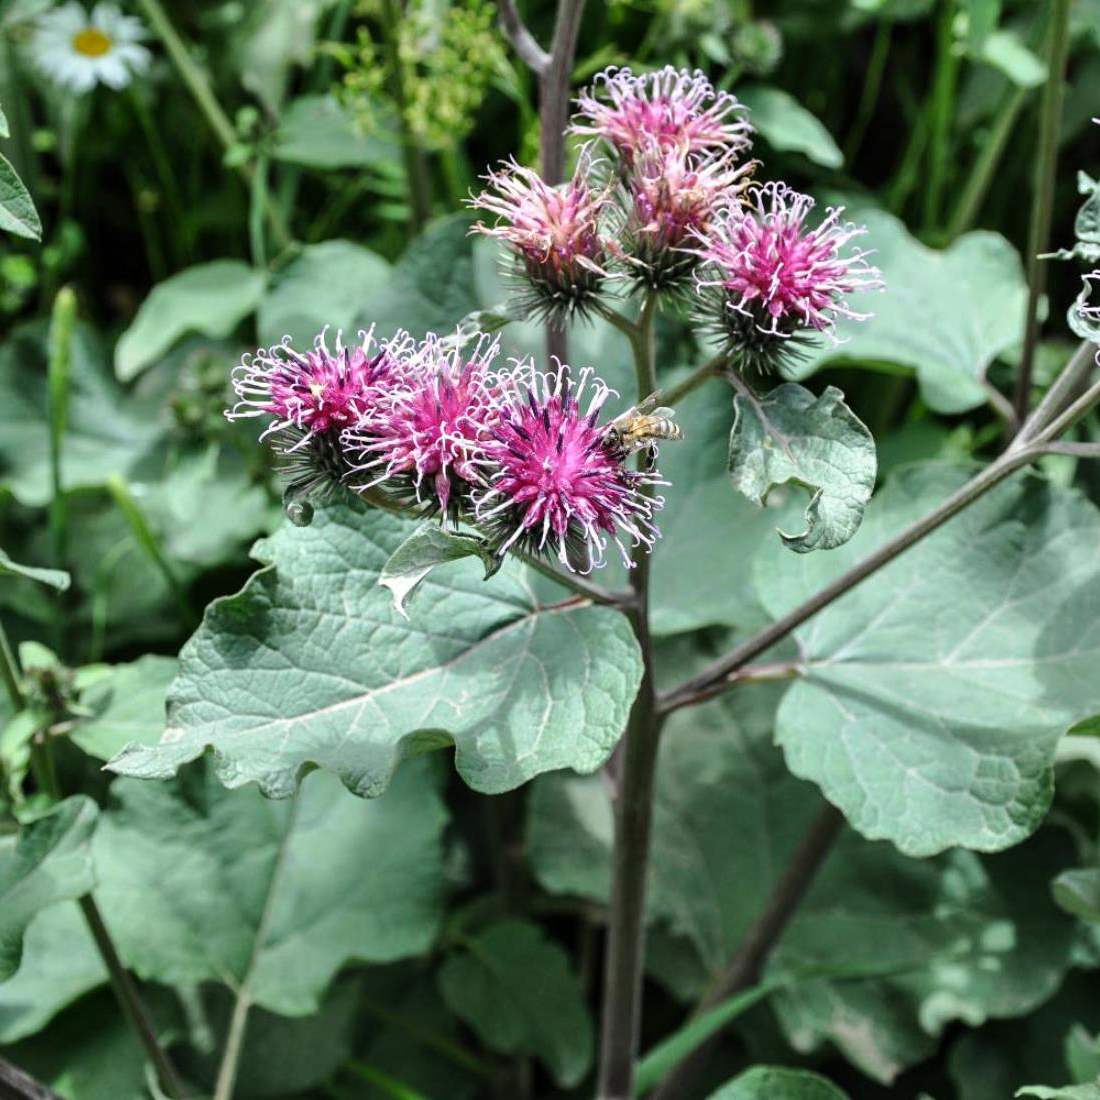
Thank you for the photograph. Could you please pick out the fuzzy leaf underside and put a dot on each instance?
(818, 442)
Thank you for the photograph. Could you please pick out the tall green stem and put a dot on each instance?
(1042, 204)
(872, 84)
(9, 672)
(940, 115)
(129, 1000)
(194, 76)
(622, 996)
(416, 168)
(985, 167)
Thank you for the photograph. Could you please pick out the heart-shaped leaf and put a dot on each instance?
(198, 883)
(935, 692)
(311, 665)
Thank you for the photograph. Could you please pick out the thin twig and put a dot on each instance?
(523, 41)
(1044, 426)
(129, 999)
(1073, 450)
(17, 1085)
(1042, 207)
(597, 593)
(747, 964)
(673, 395)
(767, 672)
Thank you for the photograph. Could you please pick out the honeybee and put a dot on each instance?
(642, 428)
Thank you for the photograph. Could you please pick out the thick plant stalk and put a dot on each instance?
(553, 70)
(622, 996)
(1043, 200)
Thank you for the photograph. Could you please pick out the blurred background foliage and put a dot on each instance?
(326, 185)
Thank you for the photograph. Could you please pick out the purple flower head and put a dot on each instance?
(308, 398)
(315, 391)
(423, 443)
(768, 279)
(555, 233)
(558, 483)
(673, 108)
(671, 199)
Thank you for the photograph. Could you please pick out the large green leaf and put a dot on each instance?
(49, 861)
(17, 212)
(127, 706)
(198, 883)
(788, 127)
(934, 693)
(333, 283)
(211, 298)
(310, 664)
(514, 987)
(777, 1083)
(817, 442)
(975, 292)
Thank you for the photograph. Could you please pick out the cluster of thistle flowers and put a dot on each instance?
(674, 209)
(440, 429)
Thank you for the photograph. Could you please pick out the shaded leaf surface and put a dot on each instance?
(935, 692)
(128, 706)
(777, 1083)
(320, 132)
(49, 861)
(198, 883)
(817, 442)
(17, 213)
(310, 664)
(514, 987)
(333, 283)
(788, 127)
(60, 964)
(974, 289)
(211, 298)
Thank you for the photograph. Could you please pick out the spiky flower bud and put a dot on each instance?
(770, 283)
(671, 198)
(555, 234)
(672, 108)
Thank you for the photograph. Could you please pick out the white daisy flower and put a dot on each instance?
(78, 49)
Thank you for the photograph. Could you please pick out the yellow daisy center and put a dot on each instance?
(92, 42)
